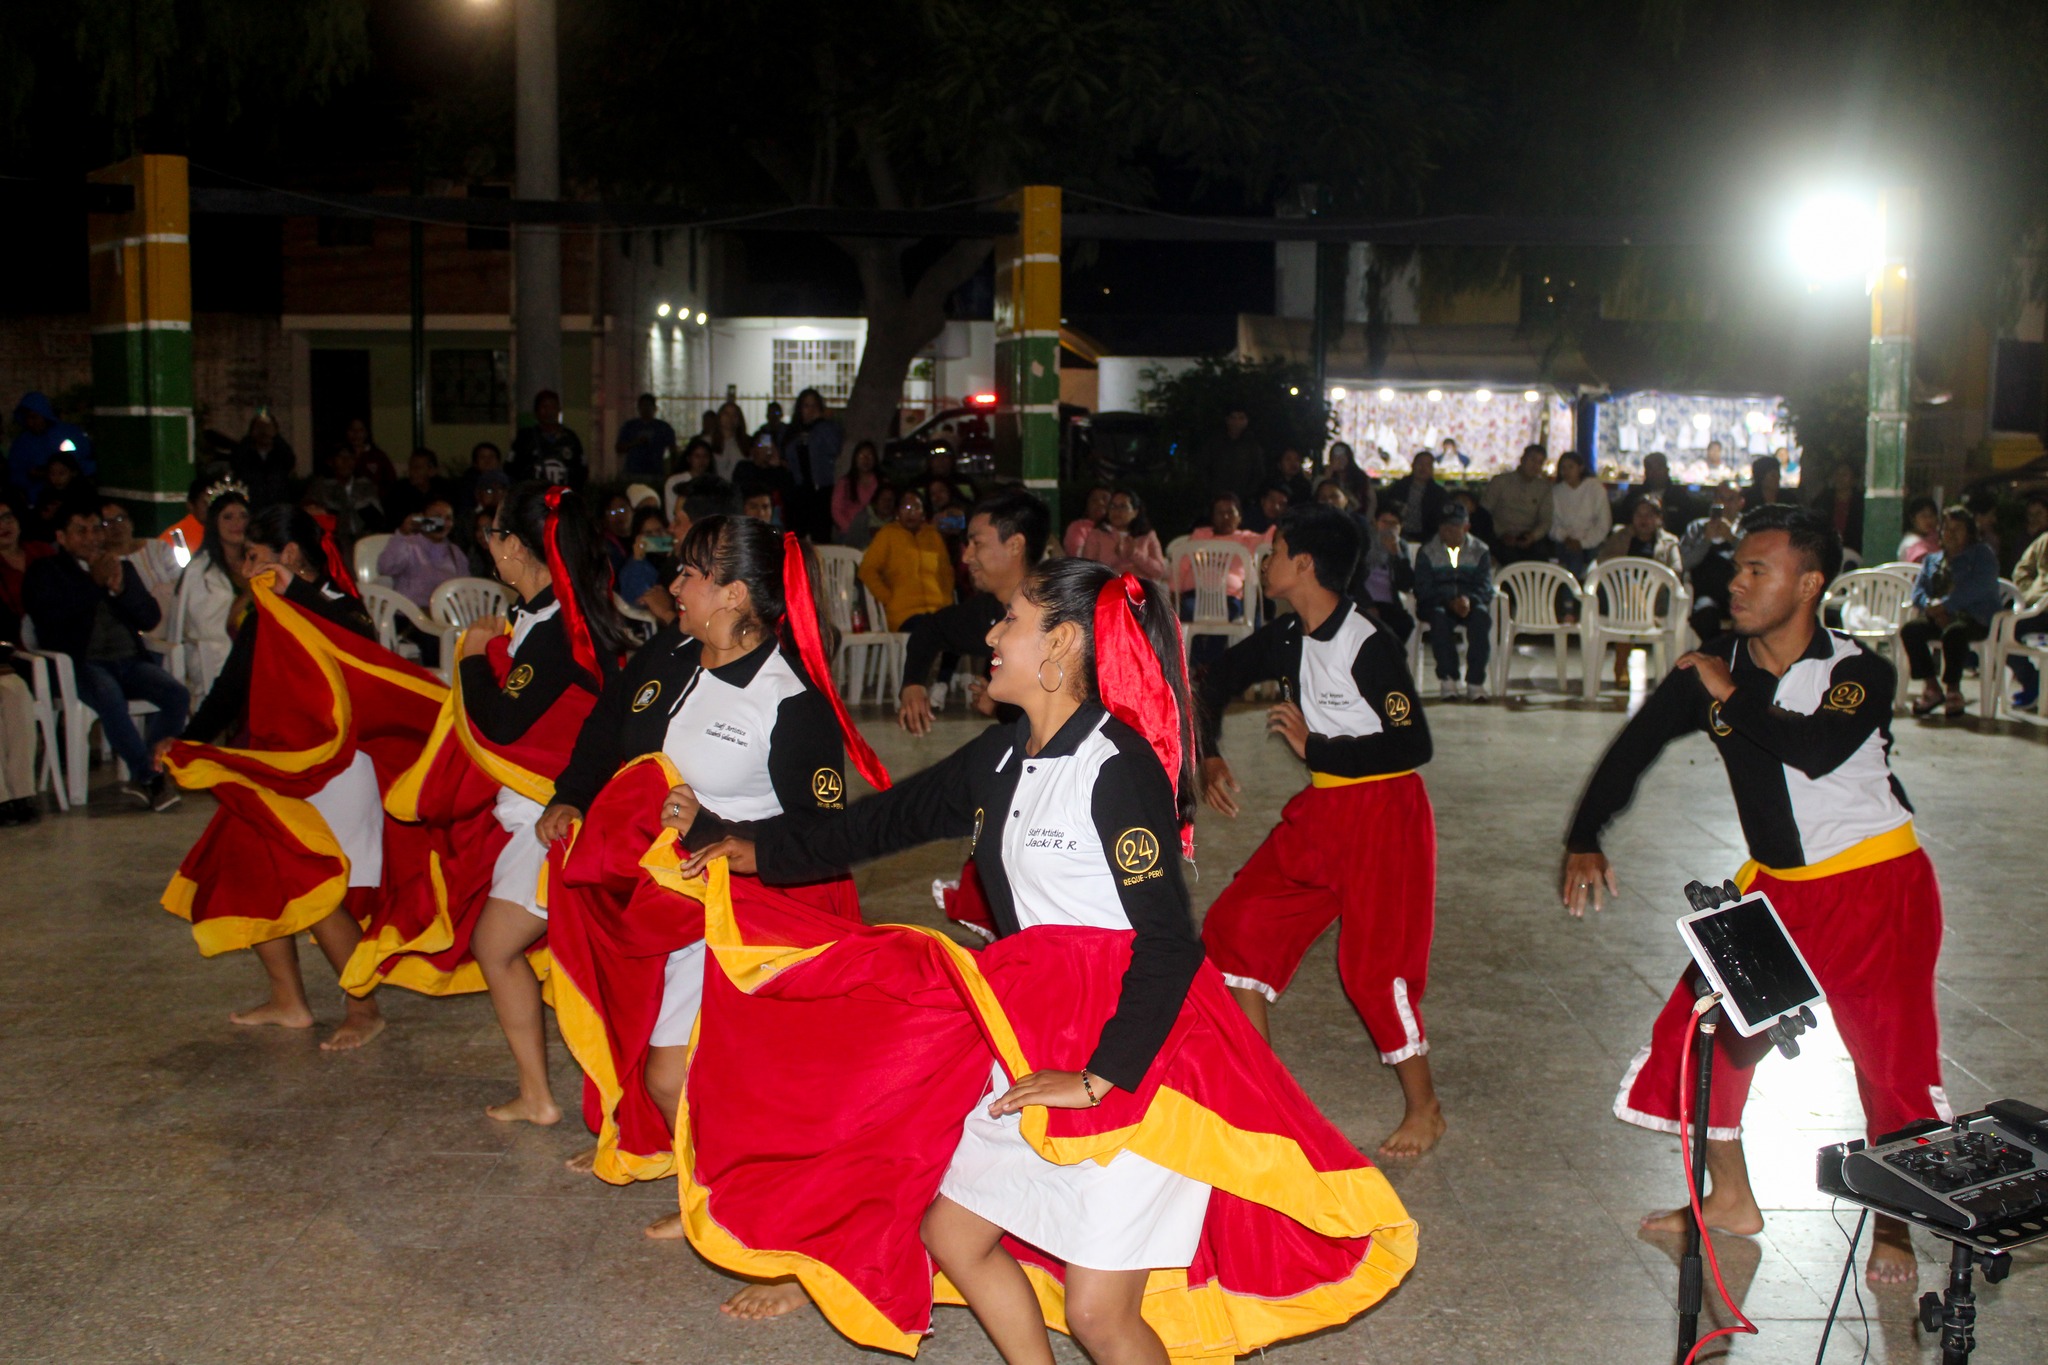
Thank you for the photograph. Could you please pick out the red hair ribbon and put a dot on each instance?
(1133, 686)
(337, 568)
(581, 646)
(810, 647)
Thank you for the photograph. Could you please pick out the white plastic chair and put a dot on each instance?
(1997, 650)
(1209, 564)
(1257, 610)
(385, 606)
(880, 650)
(43, 700)
(1873, 604)
(368, 548)
(74, 717)
(1645, 604)
(1525, 602)
(455, 605)
(642, 623)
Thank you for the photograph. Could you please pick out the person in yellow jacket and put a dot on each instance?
(906, 565)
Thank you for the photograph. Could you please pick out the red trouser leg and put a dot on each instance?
(1384, 873)
(1871, 937)
(1276, 906)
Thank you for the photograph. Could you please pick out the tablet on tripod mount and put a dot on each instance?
(1748, 957)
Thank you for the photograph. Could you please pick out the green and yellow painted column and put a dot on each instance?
(1028, 344)
(142, 340)
(1891, 380)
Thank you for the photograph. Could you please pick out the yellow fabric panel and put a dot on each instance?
(1878, 848)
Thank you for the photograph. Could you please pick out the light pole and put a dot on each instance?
(536, 247)
(1837, 237)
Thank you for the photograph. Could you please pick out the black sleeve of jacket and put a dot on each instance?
(134, 605)
(502, 714)
(1258, 657)
(227, 701)
(598, 750)
(1133, 800)
(1676, 708)
(935, 804)
(1859, 700)
(1380, 672)
(806, 766)
(959, 629)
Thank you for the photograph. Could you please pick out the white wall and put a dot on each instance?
(1121, 381)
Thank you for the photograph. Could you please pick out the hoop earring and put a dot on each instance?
(1040, 675)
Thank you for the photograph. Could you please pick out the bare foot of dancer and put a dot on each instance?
(363, 1022)
(761, 1301)
(1419, 1131)
(272, 1012)
(542, 1112)
(1892, 1261)
(667, 1228)
(1729, 1205)
(583, 1161)
(1721, 1217)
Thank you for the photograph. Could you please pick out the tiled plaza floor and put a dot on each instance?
(173, 1188)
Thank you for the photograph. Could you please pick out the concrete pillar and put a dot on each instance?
(141, 272)
(536, 249)
(1028, 343)
(1892, 325)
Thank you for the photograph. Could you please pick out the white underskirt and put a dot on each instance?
(516, 876)
(682, 995)
(353, 808)
(1131, 1214)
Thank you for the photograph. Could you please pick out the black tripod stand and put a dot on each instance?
(1954, 1313)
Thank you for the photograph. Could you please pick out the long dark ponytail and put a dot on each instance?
(280, 525)
(525, 514)
(1074, 590)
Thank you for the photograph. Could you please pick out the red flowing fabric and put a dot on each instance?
(826, 1095)
(1129, 681)
(611, 928)
(337, 568)
(810, 646)
(266, 866)
(581, 646)
(419, 936)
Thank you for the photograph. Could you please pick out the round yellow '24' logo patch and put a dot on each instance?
(1137, 852)
(828, 786)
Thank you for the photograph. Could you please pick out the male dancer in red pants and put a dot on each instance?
(1802, 719)
(1358, 844)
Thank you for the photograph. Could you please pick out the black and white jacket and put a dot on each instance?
(543, 668)
(1807, 754)
(1085, 832)
(1350, 678)
(753, 737)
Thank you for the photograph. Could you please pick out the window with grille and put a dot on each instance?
(826, 366)
(469, 387)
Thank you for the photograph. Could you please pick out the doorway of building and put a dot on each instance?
(341, 393)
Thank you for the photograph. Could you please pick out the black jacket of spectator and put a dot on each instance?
(63, 600)
(556, 457)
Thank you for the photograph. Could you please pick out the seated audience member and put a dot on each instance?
(1580, 515)
(760, 505)
(2030, 576)
(1454, 592)
(1923, 530)
(710, 496)
(1126, 541)
(1656, 482)
(485, 459)
(86, 602)
(852, 493)
(1421, 497)
(62, 480)
(153, 561)
(1092, 514)
(1290, 471)
(264, 462)
(1956, 597)
(765, 471)
(417, 559)
(1983, 506)
(362, 498)
(1643, 537)
(615, 526)
(697, 460)
(17, 752)
(190, 528)
(942, 464)
(880, 511)
(211, 585)
(1841, 502)
(906, 565)
(1363, 490)
(1766, 478)
(16, 555)
(947, 513)
(647, 555)
(1519, 501)
(1385, 572)
(1226, 522)
(1265, 515)
(1707, 553)
(1478, 521)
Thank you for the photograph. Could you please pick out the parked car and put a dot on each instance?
(1113, 446)
(966, 431)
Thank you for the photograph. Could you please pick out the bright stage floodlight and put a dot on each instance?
(1837, 237)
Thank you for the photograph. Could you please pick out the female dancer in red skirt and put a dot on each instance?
(1156, 1184)
(470, 919)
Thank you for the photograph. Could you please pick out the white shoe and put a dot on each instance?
(1447, 690)
(1475, 692)
(937, 696)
